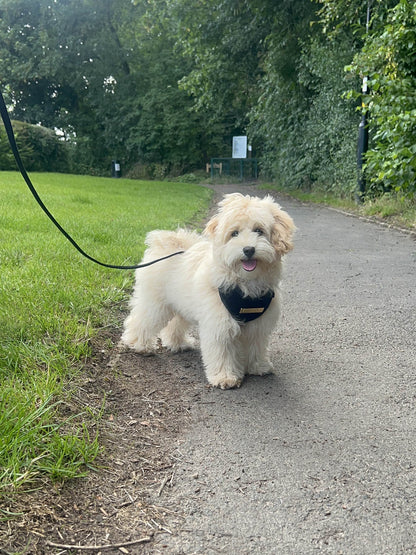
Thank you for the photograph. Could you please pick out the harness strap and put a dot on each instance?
(10, 134)
(244, 309)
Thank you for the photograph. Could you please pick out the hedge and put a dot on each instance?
(40, 149)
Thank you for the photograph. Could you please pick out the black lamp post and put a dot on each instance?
(362, 145)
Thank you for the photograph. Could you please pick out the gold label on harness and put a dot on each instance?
(258, 310)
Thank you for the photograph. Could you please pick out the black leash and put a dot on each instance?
(15, 150)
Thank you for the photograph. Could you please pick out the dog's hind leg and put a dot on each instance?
(175, 337)
(142, 327)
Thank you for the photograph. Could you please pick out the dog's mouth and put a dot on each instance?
(249, 265)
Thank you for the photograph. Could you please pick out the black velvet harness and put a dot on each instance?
(245, 309)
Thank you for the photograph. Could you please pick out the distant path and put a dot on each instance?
(320, 457)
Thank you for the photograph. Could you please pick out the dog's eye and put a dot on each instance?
(259, 231)
(234, 233)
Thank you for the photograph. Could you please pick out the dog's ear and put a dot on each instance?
(223, 206)
(283, 228)
(211, 226)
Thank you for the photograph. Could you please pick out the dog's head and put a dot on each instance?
(250, 234)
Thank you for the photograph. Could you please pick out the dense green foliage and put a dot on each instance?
(107, 75)
(389, 59)
(164, 85)
(308, 129)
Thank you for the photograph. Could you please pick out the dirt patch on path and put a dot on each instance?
(147, 403)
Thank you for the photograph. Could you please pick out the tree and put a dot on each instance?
(224, 41)
(59, 58)
(235, 47)
(107, 75)
(165, 84)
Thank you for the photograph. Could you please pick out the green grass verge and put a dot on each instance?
(52, 301)
(391, 208)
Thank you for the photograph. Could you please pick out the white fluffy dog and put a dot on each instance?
(225, 283)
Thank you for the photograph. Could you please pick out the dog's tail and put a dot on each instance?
(162, 243)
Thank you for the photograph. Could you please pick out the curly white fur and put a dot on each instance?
(242, 245)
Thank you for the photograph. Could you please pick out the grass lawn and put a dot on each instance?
(52, 301)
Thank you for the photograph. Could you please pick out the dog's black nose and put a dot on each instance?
(249, 251)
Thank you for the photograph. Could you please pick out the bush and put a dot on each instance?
(147, 171)
(198, 176)
(40, 149)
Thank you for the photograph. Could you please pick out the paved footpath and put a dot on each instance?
(319, 458)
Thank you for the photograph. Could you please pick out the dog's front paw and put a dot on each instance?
(226, 382)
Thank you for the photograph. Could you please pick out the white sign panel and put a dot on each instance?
(240, 147)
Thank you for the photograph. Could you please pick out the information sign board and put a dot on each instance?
(240, 147)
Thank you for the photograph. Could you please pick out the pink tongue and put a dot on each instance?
(249, 265)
